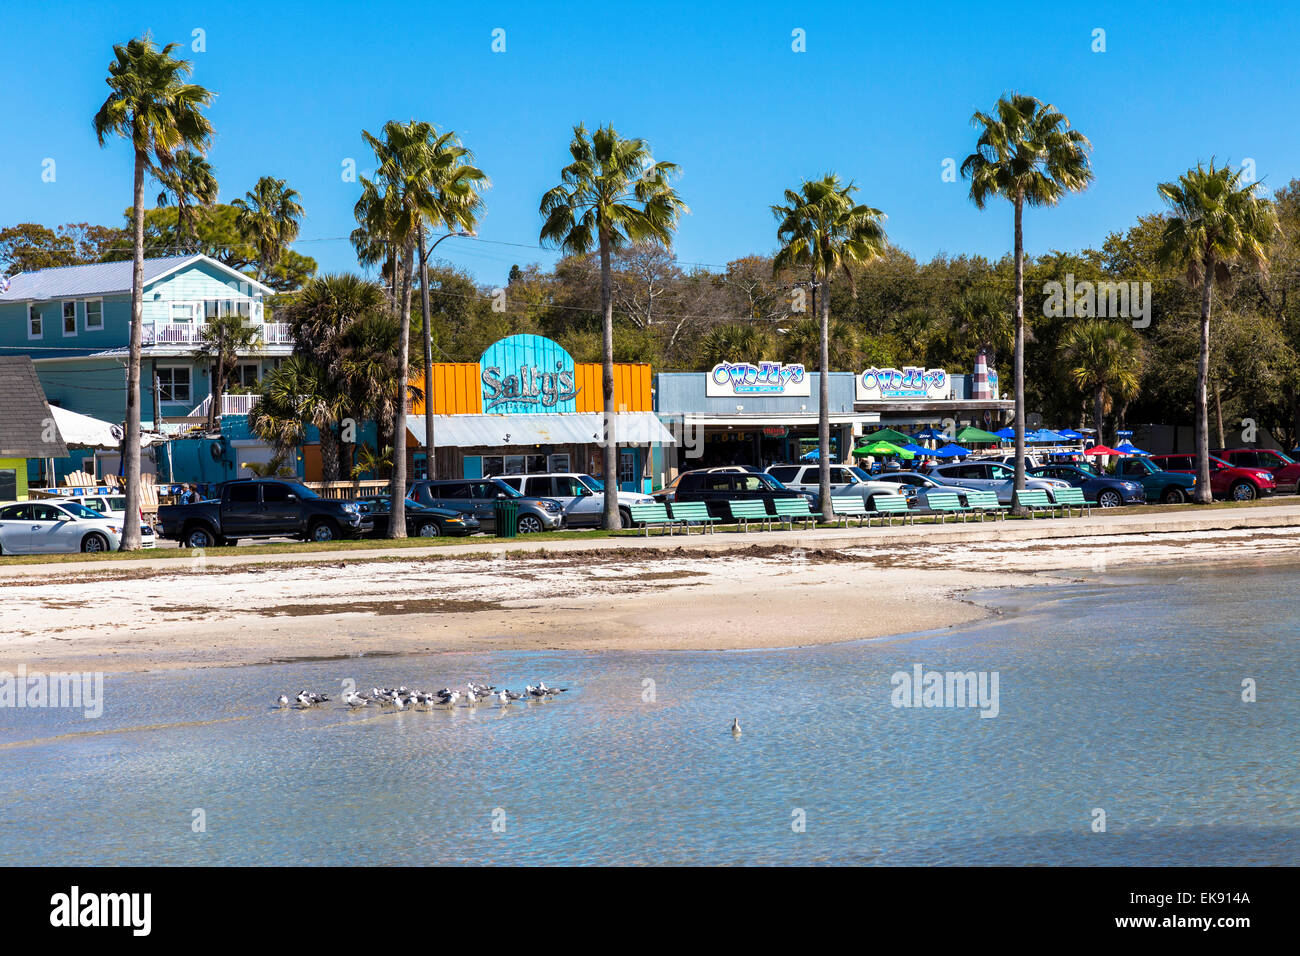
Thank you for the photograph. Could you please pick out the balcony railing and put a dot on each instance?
(230, 405)
(191, 333)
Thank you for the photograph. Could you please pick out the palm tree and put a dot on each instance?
(268, 218)
(739, 342)
(1028, 155)
(188, 181)
(1104, 357)
(801, 343)
(297, 394)
(980, 317)
(822, 232)
(612, 194)
(1216, 222)
(152, 106)
(368, 367)
(222, 340)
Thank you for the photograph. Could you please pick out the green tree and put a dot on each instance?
(1028, 155)
(222, 341)
(151, 105)
(1216, 222)
(821, 233)
(188, 182)
(612, 194)
(1104, 358)
(268, 217)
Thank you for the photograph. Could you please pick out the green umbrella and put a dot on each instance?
(887, 435)
(884, 448)
(972, 434)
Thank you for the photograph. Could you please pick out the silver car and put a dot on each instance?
(845, 480)
(991, 476)
(917, 487)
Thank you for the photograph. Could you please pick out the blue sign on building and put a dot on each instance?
(527, 373)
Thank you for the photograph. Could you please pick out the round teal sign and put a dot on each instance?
(527, 373)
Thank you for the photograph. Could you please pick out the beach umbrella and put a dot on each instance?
(930, 434)
(886, 435)
(1103, 451)
(916, 449)
(978, 435)
(814, 455)
(1126, 448)
(951, 451)
(1007, 432)
(884, 448)
(1069, 433)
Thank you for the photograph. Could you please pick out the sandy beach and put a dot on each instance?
(755, 595)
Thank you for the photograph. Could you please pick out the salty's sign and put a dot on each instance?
(883, 384)
(728, 379)
(527, 373)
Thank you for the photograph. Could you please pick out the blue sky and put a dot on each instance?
(882, 95)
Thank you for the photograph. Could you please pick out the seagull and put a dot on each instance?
(448, 696)
(282, 700)
(311, 700)
(550, 690)
(471, 698)
(355, 700)
(509, 695)
(735, 726)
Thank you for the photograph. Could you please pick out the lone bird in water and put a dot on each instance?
(735, 726)
(283, 700)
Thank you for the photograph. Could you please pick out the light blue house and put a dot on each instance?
(75, 324)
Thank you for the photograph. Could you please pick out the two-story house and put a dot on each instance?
(75, 324)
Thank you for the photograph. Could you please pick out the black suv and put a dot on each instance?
(478, 497)
(716, 488)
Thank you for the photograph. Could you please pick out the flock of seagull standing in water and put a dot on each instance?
(404, 698)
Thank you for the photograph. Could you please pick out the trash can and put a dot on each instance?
(506, 512)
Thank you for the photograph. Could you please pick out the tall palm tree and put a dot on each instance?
(612, 194)
(268, 218)
(297, 394)
(981, 318)
(368, 366)
(222, 340)
(1028, 155)
(1215, 222)
(151, 105)
(821, 233)
(188, 182)
(1104, 357)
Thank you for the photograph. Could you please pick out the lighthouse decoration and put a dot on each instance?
(985, 384)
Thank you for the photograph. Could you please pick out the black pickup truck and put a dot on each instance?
(261, 508)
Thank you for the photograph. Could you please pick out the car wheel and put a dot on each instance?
(323, 531)
(1243, 491)
(1174, 496)
(428, 529)
(1109, 499)
(94, 543)
(625, 517)
(199, 538)
(530, 524)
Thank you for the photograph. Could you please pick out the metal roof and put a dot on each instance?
(101, 278)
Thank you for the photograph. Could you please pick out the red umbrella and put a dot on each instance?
(1102, 450)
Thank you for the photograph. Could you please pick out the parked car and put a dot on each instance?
(261, 508)
(1031, 461)
(1285, 471)
(916, 487)
(1167, 487)
(845, 480)
(478, 497)
(1237, 484)
(991, 476)
(422, 521)
(582, 496)
(669, 491)
(715, 488)
(1101, 490)
(46, 527)
(110, 506)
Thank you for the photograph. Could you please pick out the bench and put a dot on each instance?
(790, 510)
(890, 506)
(1034, 502)
(743, 512)
(694, 513)
(1067, 498)
(655, 515)
(846, 507)
(986, 502)
(944, 503)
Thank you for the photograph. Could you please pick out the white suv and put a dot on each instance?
(582, 496)
(845, 480)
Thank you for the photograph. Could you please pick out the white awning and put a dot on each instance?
(584, 428)
(82, 431)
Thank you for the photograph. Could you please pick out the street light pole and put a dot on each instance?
(429, 470)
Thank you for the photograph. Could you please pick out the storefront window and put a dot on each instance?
(493, 464)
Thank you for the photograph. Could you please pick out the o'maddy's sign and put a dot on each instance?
(527, 373)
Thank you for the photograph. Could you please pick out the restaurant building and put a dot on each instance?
(526, 406)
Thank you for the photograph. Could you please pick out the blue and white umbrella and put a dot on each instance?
(951, 451)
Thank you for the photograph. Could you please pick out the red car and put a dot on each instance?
(1285, 471)
(1239, 484)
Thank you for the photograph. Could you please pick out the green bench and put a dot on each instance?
(846, 507)
(1034, 502)
(694, 513)
(889, 507)
(743, 512)
(986, 502)
(1067, 498)
(945, 503)
(655, 515)
(790, 510)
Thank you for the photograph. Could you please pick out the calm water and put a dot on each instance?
(1122, 695)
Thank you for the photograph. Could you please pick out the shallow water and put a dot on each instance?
(1123, 694)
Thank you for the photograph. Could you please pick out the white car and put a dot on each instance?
(991, 476)
(40, 527)
(845, 480)
(582, 496)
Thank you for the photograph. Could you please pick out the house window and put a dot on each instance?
(215, 308)
(174, 384)
(34, 327)
(182, 312)
(69, 318)
(94, 314)
(246, 374)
